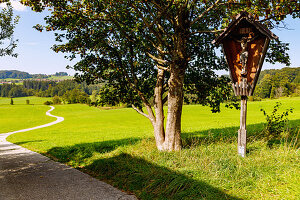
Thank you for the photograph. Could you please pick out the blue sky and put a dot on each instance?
(35, 55)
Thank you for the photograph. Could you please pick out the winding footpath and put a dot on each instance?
(27, 175)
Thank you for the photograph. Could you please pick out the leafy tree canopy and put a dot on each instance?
(7, 26)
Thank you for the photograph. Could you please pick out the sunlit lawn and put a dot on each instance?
(20, 115)
(22, 100)
(117, 146)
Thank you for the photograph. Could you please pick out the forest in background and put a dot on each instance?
(15, 74)
(273, 83)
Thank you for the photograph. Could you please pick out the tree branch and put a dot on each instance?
(163, 12)
(278, 15)
(151, 115)
(163, 68)
(154, 45)
(140, 111)
(206, 11)
(157, 35)
(160, 61)
(207, 31)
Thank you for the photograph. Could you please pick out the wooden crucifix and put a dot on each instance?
(245, 43)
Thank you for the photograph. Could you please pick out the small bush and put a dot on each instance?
(56, 100)
(48, 103)
(276, 124)
(27, 101)
(254, 98)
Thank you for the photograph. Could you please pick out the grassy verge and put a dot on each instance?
(117, 146)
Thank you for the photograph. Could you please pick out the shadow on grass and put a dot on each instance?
(229, 134)
(136, 175)
(150, 181)
(30, 141)
(145, 179)
(79, 152)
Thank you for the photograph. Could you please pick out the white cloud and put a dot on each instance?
(16, 6)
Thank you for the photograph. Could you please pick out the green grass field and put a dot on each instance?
(22, 100)
(20, 115)
(60, 77)
(117, 146)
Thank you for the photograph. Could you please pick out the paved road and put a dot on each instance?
(26, 175)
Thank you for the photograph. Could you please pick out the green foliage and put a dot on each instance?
(45, 88)
(76, 96)
(277, 83)
(15, 74)
(278, 50)
(61, 74)
(56, 100)
(276, 123)
(48, 103)
(7, 26)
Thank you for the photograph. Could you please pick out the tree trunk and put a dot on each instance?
(158, 125)
(175, 101)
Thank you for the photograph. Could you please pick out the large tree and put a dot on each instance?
(7, 26)
(149, 52)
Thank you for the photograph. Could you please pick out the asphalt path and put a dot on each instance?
(27, 175)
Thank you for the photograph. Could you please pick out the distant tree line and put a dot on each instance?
(61, 74)
(271, 84)
(68, 91)
(275, 83)
(15, 74)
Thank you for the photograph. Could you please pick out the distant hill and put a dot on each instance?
(14, 74)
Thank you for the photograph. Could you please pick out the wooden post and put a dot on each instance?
(242, 133)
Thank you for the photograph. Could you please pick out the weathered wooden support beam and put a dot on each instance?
(234, 89)
(242, 133)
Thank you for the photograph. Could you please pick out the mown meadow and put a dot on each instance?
(117, 146)
(20, 115)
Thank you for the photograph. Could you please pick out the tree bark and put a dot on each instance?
(158, 125)
(175, 101)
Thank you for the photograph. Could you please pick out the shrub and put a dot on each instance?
(56, 100)
(254, 98)
(276, 124)
(27, 101)
(48, 103)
